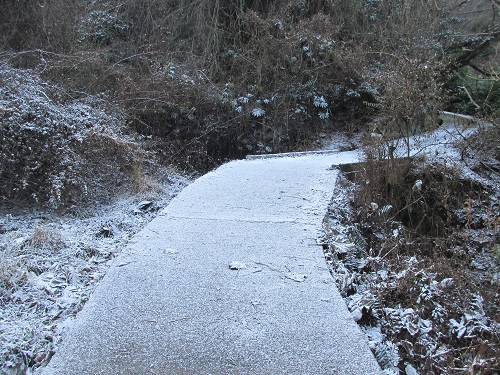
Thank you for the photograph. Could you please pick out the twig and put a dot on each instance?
(178, 319)
(395, 246)
(470, 97)
(153, 231)
(471, 147)
(268, 266)
(221, 126)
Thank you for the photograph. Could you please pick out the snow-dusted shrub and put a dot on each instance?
(101, 27)
(475, 93)
(410, 98)
(58, 153)
(417, 267)
(482, 148)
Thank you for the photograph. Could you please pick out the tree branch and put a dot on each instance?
(470, 97)
(480, 70)
(466, 58)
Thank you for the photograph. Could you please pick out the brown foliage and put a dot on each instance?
(49, 24)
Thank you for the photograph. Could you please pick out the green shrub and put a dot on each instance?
(473, 93)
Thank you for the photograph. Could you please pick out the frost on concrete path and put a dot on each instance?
(228, 279)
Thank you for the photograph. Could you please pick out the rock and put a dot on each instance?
(106, 232)
(237, 265)
(143, 206)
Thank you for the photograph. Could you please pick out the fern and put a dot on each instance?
(258, 112)
(320, 102)
(387, 355)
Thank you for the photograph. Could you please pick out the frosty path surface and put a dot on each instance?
(170, 304)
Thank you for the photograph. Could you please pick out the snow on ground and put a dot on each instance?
(51, 263)
(262, 319)
(67, 153)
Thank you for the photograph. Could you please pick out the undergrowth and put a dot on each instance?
(95, 95)
(213, 81)
(61, 152)
(417, 263)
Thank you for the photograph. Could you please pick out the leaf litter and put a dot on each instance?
(46, 280)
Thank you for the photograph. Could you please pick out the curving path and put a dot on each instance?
(228, 279)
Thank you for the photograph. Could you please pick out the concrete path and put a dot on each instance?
(171, 304)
